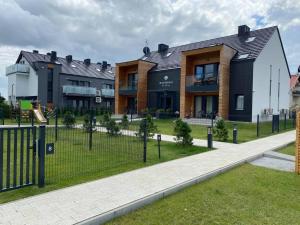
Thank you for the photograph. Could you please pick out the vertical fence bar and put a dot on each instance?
(19, 117)
(33, 154)
(32, 118)
(257, 126)
(145, 141)
(15, 156)
(8, 160)
(91, 131)
(27, 154)
(41, 151)
(21, 156)
(285, 121)
(1, 159)
(56, 125)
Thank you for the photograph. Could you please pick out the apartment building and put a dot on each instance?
(235, 77)
(60, 82)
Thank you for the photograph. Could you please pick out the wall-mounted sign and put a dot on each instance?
(98, 99)
(166, 82)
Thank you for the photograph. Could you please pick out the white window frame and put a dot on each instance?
(240, 102)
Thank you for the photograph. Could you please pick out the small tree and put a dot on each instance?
(147, 123)
(125, 122)
(220, 130)
(106, 118)
(182, 132)
(88, 125)
(112, 128)
(69, 119)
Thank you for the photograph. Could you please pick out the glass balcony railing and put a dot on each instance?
(17, 68)
(207, 84)
(79, 90)
(108, 92)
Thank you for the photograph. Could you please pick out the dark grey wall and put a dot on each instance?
(241, 82)
(59, 80)
(161, 81)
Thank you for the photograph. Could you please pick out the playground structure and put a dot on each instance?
(28, 109)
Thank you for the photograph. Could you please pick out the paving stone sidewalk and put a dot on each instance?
(96, 202)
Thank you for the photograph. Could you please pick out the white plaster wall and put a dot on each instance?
(273, 55)
(23, 85)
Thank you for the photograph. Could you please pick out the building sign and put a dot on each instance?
(166, 82)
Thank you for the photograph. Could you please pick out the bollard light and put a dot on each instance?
(158, 144)
(209, 137)
(234, 134)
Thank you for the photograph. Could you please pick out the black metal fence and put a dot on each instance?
(87, 148)
(17, 157)
(277, 124)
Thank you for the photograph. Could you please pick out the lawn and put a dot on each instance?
(246, 131)
(290, 149)
(73, 162)
(246, 195)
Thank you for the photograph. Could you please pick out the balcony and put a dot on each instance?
(105, 92)
(79, 91)
(18, 68)
(128, 90)
(206, 85)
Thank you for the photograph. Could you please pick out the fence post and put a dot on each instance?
(209, 137)
(145, 141)
(32, 118)
(257, 126)
(91, 131)
(19, 117)
(56, 125)
(285, 121)
(2, 116)
(41, 155)
(158, 144)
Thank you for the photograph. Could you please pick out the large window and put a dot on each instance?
(132, 80)
(239, 102)
(206, 71)
(107, 86)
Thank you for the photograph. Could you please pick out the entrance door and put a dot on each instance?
(198, 106)
(131, 105)
(204, 106)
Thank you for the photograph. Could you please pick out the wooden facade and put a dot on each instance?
(221, 54)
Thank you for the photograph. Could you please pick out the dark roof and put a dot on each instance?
(93, 70)
(252, 48)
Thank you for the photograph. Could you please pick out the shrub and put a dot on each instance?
(5, 109)
(125, 122)
(182, 132)
(112, 128)
(87, 125)
(106, 118)
(220, 131)
(147, 123)
(69, 119)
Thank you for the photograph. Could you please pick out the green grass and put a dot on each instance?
(74, 163)
(246, 131)
(290, 149)
(246, 195)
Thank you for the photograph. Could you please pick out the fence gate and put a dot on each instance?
(18, 157)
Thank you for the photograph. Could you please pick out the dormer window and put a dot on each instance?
(250, 39)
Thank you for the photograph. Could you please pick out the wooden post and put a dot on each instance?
(297, 149)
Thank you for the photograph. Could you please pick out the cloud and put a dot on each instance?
(116, 30)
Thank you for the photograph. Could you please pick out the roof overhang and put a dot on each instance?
(204, 50)
(133, 63)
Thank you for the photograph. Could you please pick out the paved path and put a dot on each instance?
(97, 201)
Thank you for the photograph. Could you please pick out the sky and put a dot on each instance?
(117, 30)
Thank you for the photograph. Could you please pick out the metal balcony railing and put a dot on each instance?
(79, 90)
(18, 68)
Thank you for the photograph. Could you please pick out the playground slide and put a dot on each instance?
(39, 116)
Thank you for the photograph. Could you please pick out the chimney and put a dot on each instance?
(243, 31)
(48, 53)
(104, 65)
(87, 62)
(162, 48)
(35, 51)
(69, 58)
(299, 69)
(53, 56)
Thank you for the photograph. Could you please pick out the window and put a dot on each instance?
(132, 80)
(243, 56)
(199, 72)
(107, 86)
(250, 39)
(239, 102)
(206, 71)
